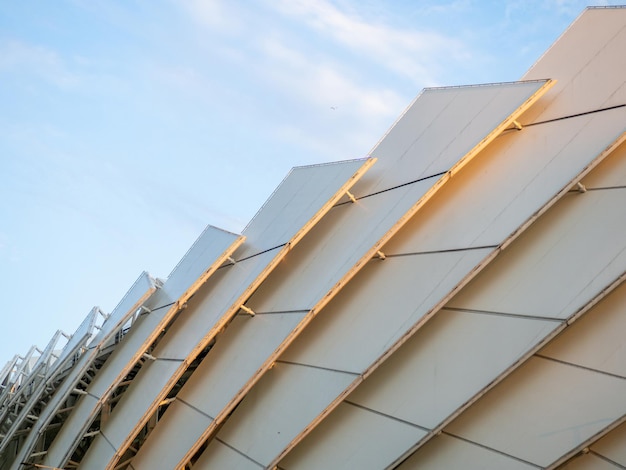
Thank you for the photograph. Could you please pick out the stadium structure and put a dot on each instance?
(453, 301)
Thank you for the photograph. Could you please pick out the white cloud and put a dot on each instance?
(214, 14)
(324, 84)
(34, 60)
(410, 53)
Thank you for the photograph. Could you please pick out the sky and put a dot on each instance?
(126, 127)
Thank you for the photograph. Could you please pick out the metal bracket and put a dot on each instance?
(248, 310)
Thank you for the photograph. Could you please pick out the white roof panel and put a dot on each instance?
(351, 448)
(134, 298)
(401, 290)
(527, 183)
(589, 64)
(223, 456)
(461, 352)
(301, 199)
(613, 446)
(444, 128)
(581, 344)
(294, 208)
(445, 362)
(543, 410)
(589, 462)
(255, 431)
(544, 263)
(450, 453)
(196, 414)
(525, 169)
(43, 378)
(344, 240)
(138, 293)
(205, 256)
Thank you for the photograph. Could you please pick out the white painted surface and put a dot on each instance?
(311, 387)
(201, 261)
(386, 299)
(300, 201)
(454, 357)
(445, 362)
(561, 258)
(165, 446)
(525, 179)
(449, 453)
(351, 449)
(223, 456)
(43, 377)
(589, 462)
(588, 63)
(596, 340)
(138, 293)
(613, 445)
(417, 146)
(543, 410)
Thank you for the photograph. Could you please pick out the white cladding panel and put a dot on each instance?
(564, 397)
(296, 205)
(539, 267)
(137, 294)
(449, 453)
(223, 456)
(243, 343)
(589, 462)
(101, 450)
(209, 306)
(613, 445)
(206, 254)
(250, 335)
(77, 341)
(442, 127)
(445, 363)
(186, 423)
(610, 173)
(255, 432)
(298, 202)
(588, 62)
(204, 257)
(386, 299)
(457, 354)
(422, 146)
(555, 258)
(351, 447)
(529, 183)
(524, 169)
(597, 340)
(335, 246)
(349, 231)
(543, 410)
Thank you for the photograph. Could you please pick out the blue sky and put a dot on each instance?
(127, 127)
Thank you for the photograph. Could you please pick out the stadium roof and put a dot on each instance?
(454, 300)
